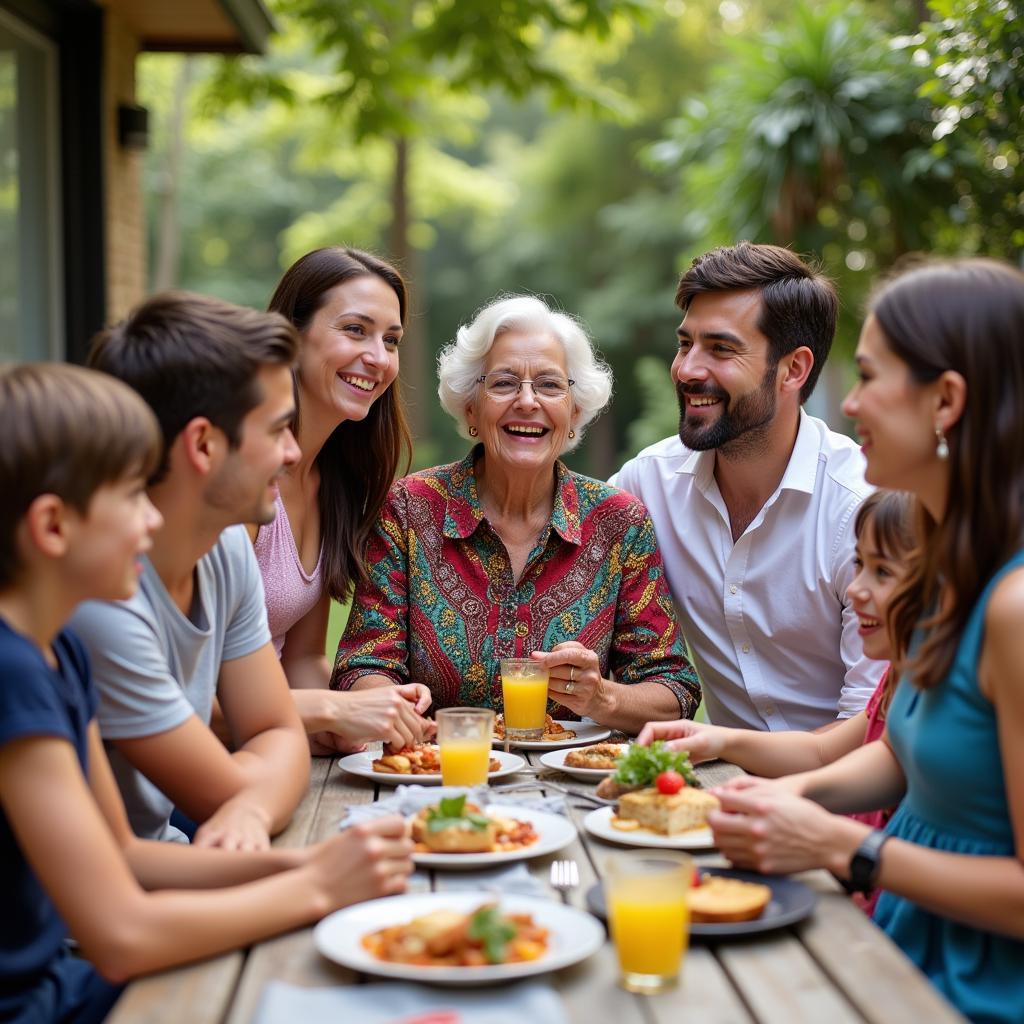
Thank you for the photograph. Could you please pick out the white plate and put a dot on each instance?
(573, 936)
(556, 759)
(586, 733)
(362, 765)
(599, 823)
(553, 832)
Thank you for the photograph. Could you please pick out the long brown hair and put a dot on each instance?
(889, 515)
(358, 462)
(967, 316)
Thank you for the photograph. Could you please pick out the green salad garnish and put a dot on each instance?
(451, 813)
(492, 931)
(640, 766)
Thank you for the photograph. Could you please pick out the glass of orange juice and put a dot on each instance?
(464, 736)
(524, 691)
(648, 915)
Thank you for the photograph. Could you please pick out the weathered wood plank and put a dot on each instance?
(782, 984)
(872, 972)
(200, 993)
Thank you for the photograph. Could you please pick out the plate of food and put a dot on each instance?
(587, 763)
(557, 733)
(419, 765)
(455, 834)
(458, 938)
(730, 903)
(660, 802)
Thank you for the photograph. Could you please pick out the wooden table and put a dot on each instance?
(836, 967)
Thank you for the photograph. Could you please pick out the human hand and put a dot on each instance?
(574, 677)
(387, 713)
(702, 742)
(327, 744)
(364, 862)
(236, 825)
(417, 694)
(775, 832)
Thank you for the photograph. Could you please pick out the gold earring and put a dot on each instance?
(572, 434)
(473, 432)
(941, 444)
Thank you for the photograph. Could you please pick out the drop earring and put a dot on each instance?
(473, 432)
(941, 444)
(572, 434)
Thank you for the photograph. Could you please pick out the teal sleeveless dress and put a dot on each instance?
(947, 743)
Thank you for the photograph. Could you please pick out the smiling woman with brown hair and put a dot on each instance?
(509, 554)
(349, 308)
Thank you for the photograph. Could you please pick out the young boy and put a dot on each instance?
(74, 522)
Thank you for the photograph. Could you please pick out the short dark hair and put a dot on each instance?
(799, 305)
(191, 355)
(66, 431)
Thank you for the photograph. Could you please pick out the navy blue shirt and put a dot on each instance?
(36, 700)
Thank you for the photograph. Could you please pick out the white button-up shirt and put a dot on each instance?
(771, 630)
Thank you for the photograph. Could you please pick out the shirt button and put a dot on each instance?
(733, 589)
(768, 710)
(522, 629)
(745, 648)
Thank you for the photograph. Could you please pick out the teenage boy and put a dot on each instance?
(74, 523)
(218, 378)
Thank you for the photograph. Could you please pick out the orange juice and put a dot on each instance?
(524, 691)
(526, 702)
(649, 918)
(649, 926)
(464, 761)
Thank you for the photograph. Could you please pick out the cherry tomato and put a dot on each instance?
(669, 782)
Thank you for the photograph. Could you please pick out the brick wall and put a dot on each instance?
(125, 216)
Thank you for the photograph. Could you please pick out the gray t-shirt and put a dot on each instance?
(154, 667)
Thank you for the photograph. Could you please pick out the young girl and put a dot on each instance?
(884, 534)
(938, 409)
(78, 447)
(349, 308)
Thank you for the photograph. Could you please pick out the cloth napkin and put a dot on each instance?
(401, 1003)
(407, 800)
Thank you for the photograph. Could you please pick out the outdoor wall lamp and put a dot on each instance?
(132, 126)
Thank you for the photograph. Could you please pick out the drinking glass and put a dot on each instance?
(524, 691)
(648, 915)
(464, 736)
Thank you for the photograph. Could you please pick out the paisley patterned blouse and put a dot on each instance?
(442, 606)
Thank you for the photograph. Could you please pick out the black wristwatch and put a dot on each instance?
(865, 862)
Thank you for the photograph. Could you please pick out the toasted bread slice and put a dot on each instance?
(668, 813)
(718, 900)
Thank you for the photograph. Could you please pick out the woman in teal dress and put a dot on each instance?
(939, 407)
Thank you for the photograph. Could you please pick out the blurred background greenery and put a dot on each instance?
(586, 150)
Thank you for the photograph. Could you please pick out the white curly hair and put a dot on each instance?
(460, 364)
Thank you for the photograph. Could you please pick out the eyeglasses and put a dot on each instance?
(501, 386)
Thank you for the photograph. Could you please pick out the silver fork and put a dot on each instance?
(565, 876)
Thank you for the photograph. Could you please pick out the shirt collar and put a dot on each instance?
(801, 470)
(463, 513)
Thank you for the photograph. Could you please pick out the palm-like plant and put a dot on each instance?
(805, 129)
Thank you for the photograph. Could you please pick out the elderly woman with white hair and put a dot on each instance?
(508, 554)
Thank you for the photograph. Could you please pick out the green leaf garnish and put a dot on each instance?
(640, 766)
(492, 931)
(451, 813)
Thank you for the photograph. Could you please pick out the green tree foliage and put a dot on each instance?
(974, 53)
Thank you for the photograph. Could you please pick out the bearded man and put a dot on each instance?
(754, 502)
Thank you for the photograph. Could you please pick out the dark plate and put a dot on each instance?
(791, 901)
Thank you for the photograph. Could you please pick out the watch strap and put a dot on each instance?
(865, 862)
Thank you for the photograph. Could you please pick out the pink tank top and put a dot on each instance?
(290, 591)
(876, 819)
